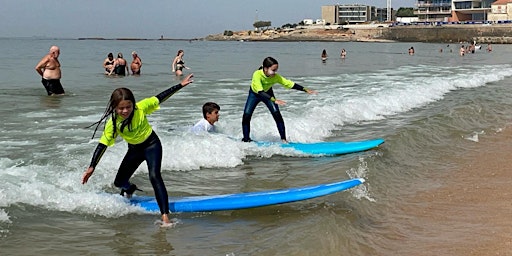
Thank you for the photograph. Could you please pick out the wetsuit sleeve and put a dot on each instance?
(98, 153)
(273, 99)
(299, 87)
(266, 96)
(163, 96)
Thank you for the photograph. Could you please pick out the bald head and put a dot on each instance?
(54, 51)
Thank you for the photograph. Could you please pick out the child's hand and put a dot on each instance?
(311, 91)
(187, 80)
(280, 102)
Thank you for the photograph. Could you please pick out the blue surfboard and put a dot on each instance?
(328, 148)
(245, 200)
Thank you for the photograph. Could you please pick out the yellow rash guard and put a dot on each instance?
(140, 128)
(260, 82)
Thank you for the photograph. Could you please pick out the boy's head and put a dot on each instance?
(211, 112)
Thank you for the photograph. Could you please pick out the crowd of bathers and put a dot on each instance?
(119, 65)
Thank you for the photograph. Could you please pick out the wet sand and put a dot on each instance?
(471, 212)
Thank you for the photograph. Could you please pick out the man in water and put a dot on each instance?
(136, 64)
(49, 69)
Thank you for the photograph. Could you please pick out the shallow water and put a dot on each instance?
(431, 108)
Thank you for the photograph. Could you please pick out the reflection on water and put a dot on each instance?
(49, 102)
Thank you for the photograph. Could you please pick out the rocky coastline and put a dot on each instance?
(306, 34)
(481, 33)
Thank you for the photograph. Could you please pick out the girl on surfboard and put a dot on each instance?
(128, 120)
(261, 91)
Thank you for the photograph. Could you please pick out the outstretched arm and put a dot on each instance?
(299, 87)
(98, 153)
(163, 96)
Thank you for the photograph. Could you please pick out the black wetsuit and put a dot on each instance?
(150, 150)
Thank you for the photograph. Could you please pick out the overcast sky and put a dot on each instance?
(153, 18)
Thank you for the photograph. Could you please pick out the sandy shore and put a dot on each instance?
(471, 212)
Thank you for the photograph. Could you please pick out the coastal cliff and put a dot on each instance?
(481, 33)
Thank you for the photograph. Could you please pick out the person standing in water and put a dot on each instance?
(343, 53)
(49, 70)
(178, 64)
(108, 63)
(324, 55)
(120, 66)
(136, 64)
(261, 91)
(126, 118)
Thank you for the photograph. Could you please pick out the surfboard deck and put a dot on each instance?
(245, 200)
(328, 148)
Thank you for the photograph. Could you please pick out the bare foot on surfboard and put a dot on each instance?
(171, 224)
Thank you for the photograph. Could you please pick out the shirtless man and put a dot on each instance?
(136, 64)
(49, 69)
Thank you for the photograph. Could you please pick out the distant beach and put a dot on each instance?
(495, 33)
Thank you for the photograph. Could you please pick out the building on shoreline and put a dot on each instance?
(429, 11)
(353, 14)
(453, 10)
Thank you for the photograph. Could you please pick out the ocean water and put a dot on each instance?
(431, 108)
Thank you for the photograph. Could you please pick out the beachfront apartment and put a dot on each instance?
(454, 10)
(431, 11)
(353, 14)
(501, 10)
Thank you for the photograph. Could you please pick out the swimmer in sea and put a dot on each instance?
(49, 70)
(120, 66)
(108, 63)
(324, 55)
(136, 64)
(178, 64)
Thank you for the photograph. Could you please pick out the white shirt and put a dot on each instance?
(203, 126)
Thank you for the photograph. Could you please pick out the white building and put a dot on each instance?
(320, 22)
(308, 21)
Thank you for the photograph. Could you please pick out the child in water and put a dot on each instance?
(210, 116)
(126, 118)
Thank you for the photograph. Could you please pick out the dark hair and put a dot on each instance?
(268, 62)
(209, 107)
(120, 55)
(117, 96)
(110, 55)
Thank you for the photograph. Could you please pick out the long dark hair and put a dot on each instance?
(268, 62)
(117, 96)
